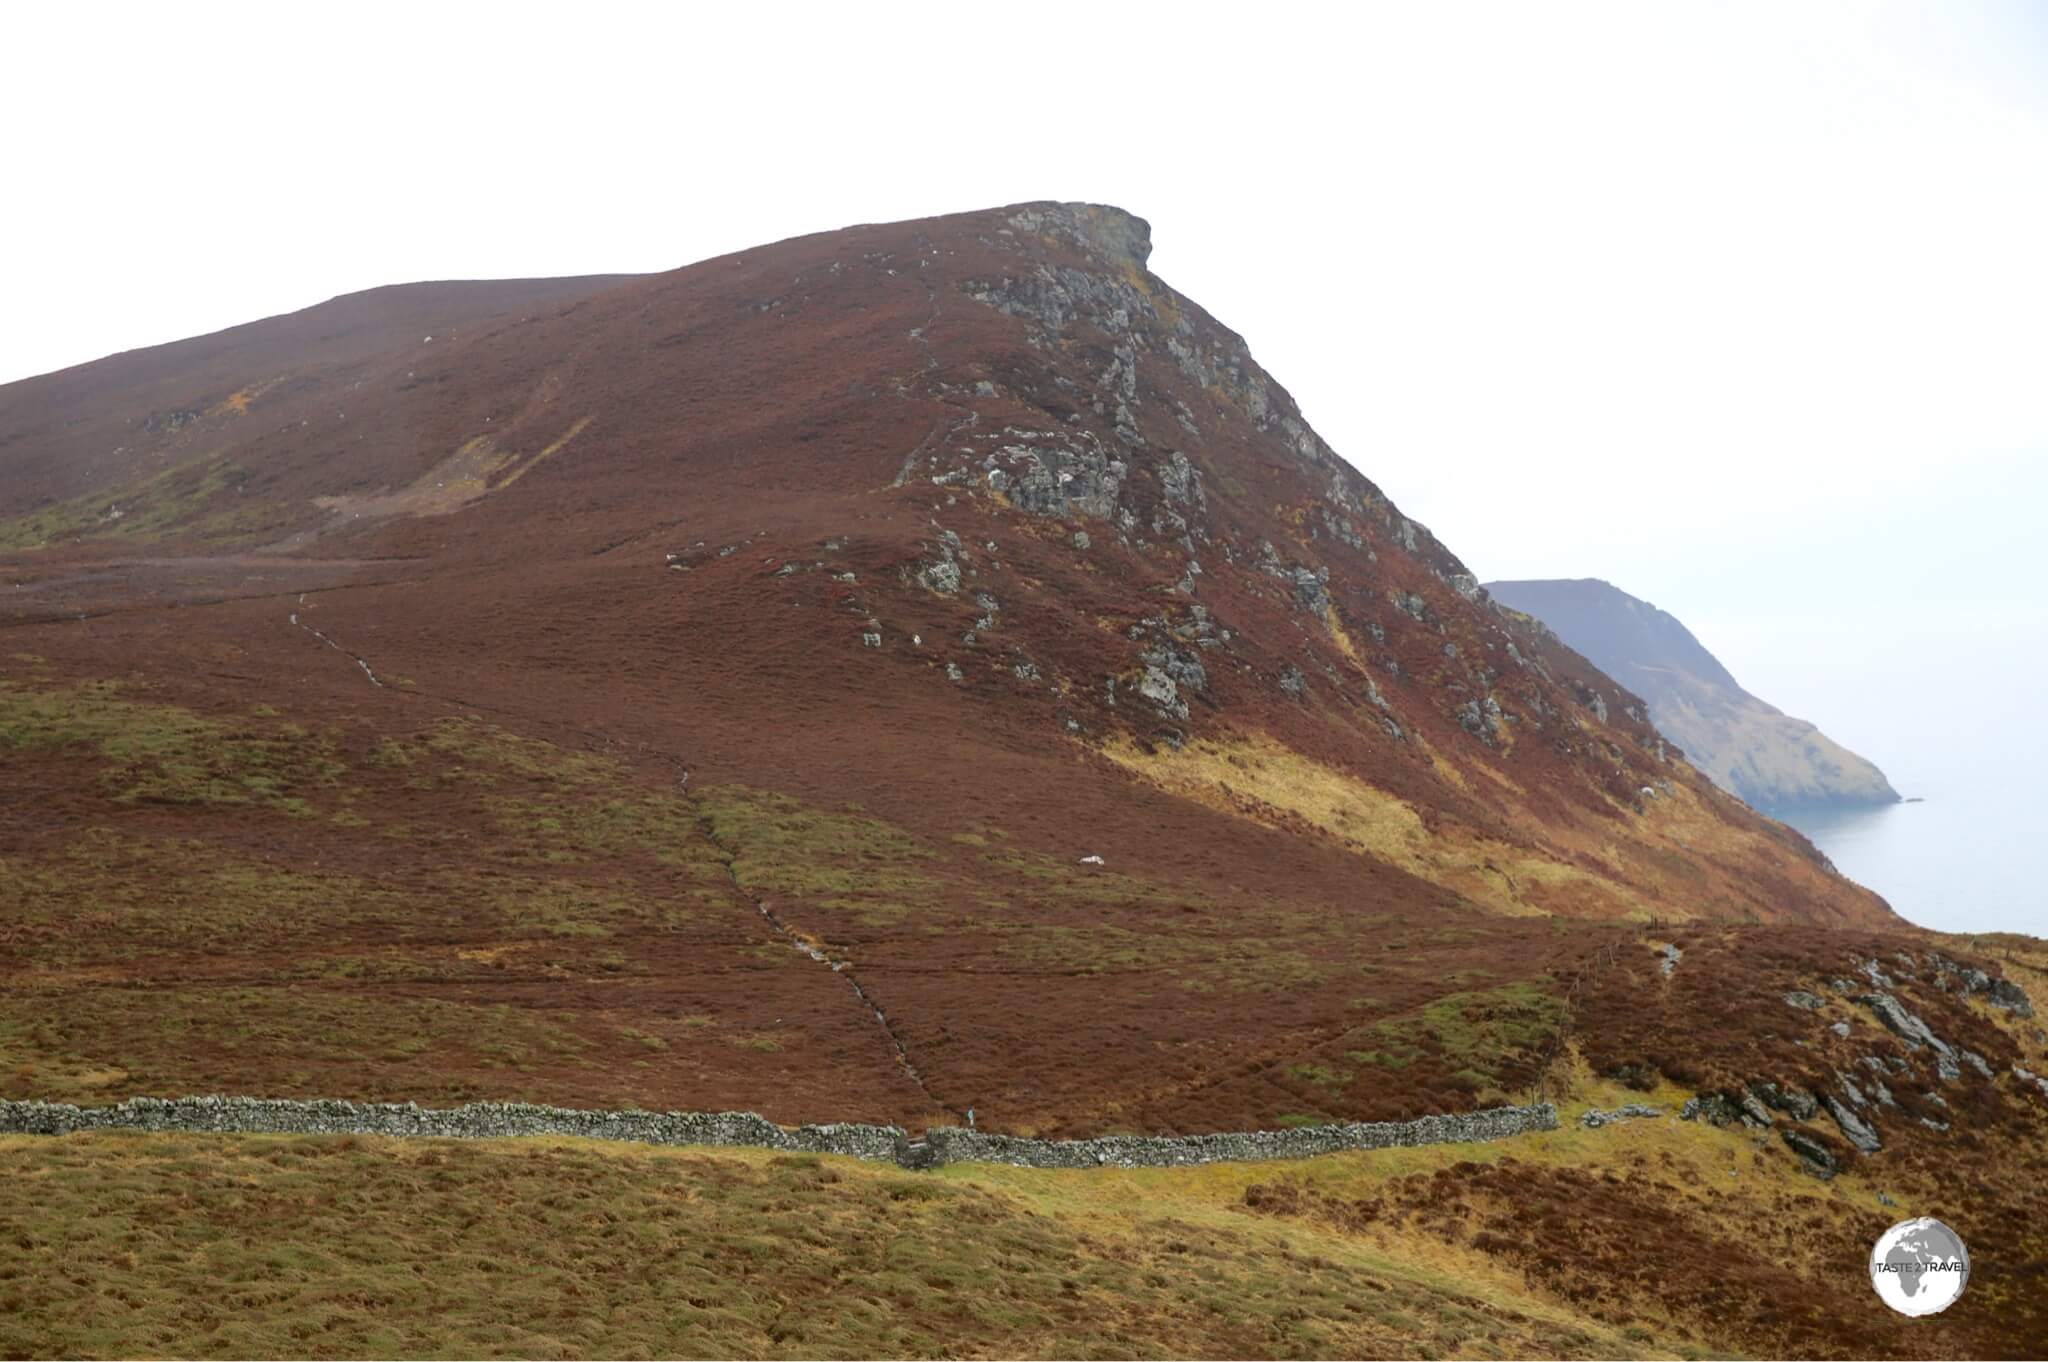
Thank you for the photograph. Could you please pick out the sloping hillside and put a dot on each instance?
(909, 670)
(1762, 756)
(613, 676)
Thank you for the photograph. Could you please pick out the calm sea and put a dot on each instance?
(1968, 859)
(1939, 696)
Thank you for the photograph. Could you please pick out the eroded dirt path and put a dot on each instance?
(359, 660)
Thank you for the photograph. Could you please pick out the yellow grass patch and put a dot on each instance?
(1340, 638)
(1258, 778)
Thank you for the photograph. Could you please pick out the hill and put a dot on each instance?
(1757, 753)
(576, 656)
(911, 670)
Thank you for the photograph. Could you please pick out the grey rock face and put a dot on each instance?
(1721, 1110)
(1794, 1102)
(1103, 230)
(1854, 1129)
(1059, 480)
(1906, 1026)
(1594, 1119)
(2003, 994)
(1056, 297)
(942, 574)
(1309, 588)
(1181, 482)
(1164, 693)
(2006, 994)
(1472, 720)
(1799, 997)
(1811, 1152)
(1183, 666)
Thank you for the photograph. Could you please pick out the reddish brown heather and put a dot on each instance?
(483, 690)
(613, 549)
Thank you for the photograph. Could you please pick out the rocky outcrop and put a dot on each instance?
(1854, 1128)
(1812, 1153)
(1794, 1102)
(2003, 994)
(1720, 1109)
(1858, 1095)
(1913, 1031)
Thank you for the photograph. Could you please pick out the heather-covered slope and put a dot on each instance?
(910, 669)
(1185, 581)
(1766, 758)
(562, 672)
(568, 664)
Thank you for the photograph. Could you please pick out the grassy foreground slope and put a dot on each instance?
(1650, 1238)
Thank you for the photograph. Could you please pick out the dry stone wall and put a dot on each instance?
(945, 1144)
(953, 1144)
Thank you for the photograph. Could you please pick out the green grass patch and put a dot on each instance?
(781, 846)
(142, 510)
(1195, 964)
(165, 754)
(1481, 1038)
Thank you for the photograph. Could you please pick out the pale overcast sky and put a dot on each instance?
(1743, 307)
